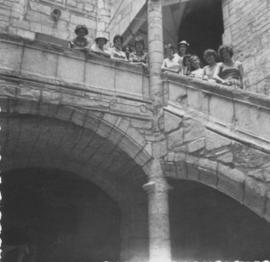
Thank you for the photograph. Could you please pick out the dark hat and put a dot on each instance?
(139, 39)
(79, 27)
(183, 42)
(118, 37)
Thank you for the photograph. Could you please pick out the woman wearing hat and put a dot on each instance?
(80, 42)
(139, 56)
(116, 51)
(99, 45)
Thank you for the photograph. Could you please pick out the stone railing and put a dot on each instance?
(234, 113)
(53, 64)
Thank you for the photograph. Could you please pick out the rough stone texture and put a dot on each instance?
(247, 28)
(28, 17)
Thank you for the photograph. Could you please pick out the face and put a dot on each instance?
(225, 54)
(195, 61)
(101, 42)
(210, 59)
(139, 47)
(169, 52)
(182, 49)
(118, 43)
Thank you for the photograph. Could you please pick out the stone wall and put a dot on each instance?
(247, 28)
(27, 17)
(122, 14)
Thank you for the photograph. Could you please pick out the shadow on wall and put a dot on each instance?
(59, 216)
(207, 225)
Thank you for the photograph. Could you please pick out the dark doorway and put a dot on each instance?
(53, 215)
(202, 25)
(208, 225)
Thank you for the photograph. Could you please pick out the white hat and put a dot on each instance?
(101, 35)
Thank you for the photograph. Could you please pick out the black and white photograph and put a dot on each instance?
(135, 130)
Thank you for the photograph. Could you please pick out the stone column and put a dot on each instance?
(158, 215)
(155, 50)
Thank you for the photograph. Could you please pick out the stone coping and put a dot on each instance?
(240, 95)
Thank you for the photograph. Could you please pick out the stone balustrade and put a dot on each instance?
(54, 64)
(234, 113)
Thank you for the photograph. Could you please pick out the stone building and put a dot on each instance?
(102, 161)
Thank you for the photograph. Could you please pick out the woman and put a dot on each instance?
(80, 42)
(139, 56)
(186, 70)
(99, 45)
(196, 70)
(182, 52)
(172, 62)
(116, 51)
(210, 57)
(229, 72)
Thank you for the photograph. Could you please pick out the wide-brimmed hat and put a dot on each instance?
(183, 42)
(101, 36)
(79, 27)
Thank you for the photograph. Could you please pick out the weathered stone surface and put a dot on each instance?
(70, 70)
(255, 194)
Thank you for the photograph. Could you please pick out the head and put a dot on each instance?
(81, 30)
(195, 62)
(225, 52)
(210, 56)
(118, 41)
(182, 47)
(139, 44)
(169, 50)
(187, 60)
(101, 42)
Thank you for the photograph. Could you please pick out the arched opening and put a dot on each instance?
(208, 225)
(202, 25)
(101, 155)
(57, 216)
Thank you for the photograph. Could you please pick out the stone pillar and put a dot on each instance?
(158, 215)
(155, 50)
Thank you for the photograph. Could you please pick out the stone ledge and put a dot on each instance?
(239, 95)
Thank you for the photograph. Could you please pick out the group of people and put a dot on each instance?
(116, 52)
(220, 66)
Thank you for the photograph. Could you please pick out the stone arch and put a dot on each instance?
(231, 181)
(115, 134)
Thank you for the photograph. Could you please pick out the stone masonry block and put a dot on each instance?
(99, 76)
(221, 110)
(71, 70)
(255, 194)
(10, 56)
(231, 182)
(39, 63)
(128, 82)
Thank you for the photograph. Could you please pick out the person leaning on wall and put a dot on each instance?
(116, 51)
(99, 47)
(172, 62)
(229, 72)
